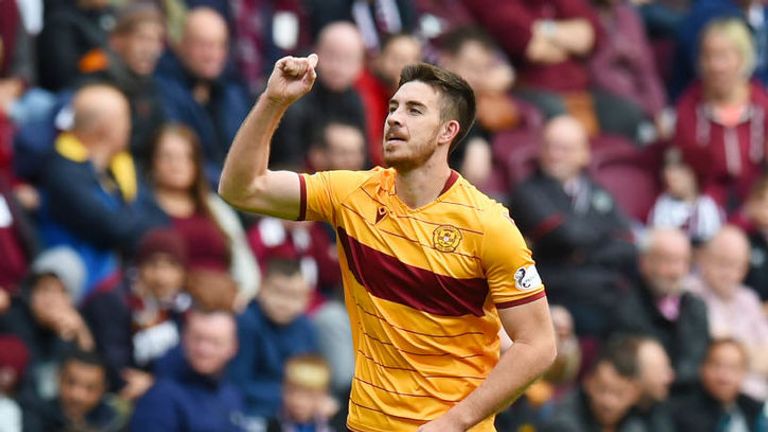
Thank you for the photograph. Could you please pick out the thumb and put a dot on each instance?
(312, 60)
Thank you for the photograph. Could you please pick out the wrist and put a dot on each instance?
(460, 417)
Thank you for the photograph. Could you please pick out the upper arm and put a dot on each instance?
(509, 267)
(277, 193)
(529, 323)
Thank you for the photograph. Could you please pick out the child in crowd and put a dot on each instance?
(307, 404)
(682, 205)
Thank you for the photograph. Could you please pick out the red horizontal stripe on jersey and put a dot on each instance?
(388, 278)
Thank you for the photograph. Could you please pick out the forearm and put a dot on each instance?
(249, 154)
(518, 367)
(575, 36)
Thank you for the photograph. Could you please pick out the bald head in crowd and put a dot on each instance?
(724, 261)
(341, 52)
(203, 47)
(102, 121)
(665, 260)
(564, 149)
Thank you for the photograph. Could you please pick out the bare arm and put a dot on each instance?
(246, 182)
(533, 351)
(574, 36)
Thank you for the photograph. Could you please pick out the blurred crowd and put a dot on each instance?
(629, 140)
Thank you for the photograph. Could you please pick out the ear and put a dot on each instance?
(448, 131)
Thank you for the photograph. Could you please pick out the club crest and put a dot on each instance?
(446, 238)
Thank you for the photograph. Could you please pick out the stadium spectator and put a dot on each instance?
(718, 403)
(686, 62)
(70, 31)
(135, 46)
(604, 400)
(623, 64)
(660, 307)
(376, 19)
(550, 42)
(17, 239)
(45, 318)
(756, 211)
(181, 197)
(339, 145)
(307, 403)
(90, 185)
(734, 310)
(654, 377)
(191, 392)
(333, 98)
(198, 91)
(266, 30)
(682, 205)
(581, 241)
(14, 358)
(473, 55)
(378, 82)
(137, 321)
(721, 120)
(82, 403)
(272, 329)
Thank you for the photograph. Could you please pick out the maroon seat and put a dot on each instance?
(628, 173)
(515, 153)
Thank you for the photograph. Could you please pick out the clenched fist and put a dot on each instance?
(291, 79)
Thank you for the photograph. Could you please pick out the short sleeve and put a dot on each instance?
(511, 273)
(321, 193)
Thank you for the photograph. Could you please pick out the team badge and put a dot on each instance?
(527, 278)
(446, 238)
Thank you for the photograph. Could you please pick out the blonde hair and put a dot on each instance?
(737, 32)
(308, 371)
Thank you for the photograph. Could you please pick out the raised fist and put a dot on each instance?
(291, 79)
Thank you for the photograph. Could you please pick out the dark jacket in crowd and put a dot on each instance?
(90, 213)
(658, 418)
(304, 120)
(685, 339)
(582, 244)
(264, 348)
(108, 416)
(757, 278)
(121, 332)
(215, 123)
(701, 413)
(183, 400)
(147, 114)
(69, 32)
(573, 414)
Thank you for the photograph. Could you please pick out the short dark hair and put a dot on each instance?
(282, 267)
(725, 341)
(131, 16)
(90, 358)
(458, 97)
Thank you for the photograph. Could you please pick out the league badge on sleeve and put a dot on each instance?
(527, 278)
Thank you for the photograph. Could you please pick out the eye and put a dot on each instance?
(415, 111)
(392, 109)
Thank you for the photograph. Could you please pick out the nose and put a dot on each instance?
(393, 118)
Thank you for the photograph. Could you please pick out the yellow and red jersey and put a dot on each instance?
(422, 288)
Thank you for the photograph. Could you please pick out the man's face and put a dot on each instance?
(665, 266)
(204, 48)
(209, 342)
(81, 387)
(345, 148)
(141, 48)
(412, 126)
(284, 298)
(724, 266)
(564, 152)
(341, 61)
(723, 372)
(396, 55)
(162, 276)
(656, 373)
(472, 62)
(610, 395)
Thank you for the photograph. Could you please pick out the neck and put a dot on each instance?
(421, 186)
(175, 202)
(738, 95)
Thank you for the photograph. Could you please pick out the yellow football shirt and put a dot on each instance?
(422, 287)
